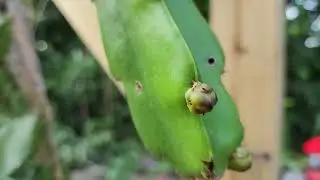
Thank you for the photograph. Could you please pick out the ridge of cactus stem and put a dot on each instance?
(199, 178)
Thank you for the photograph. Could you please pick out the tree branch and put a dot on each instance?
(23, 63)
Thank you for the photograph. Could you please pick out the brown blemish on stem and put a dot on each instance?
(139, 87)
(207, 174)
(209, 171)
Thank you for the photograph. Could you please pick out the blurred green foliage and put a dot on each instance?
(14, 152)
(93, 124)
(303, 73)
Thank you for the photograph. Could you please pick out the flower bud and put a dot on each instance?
(241, 160)
(200, 98)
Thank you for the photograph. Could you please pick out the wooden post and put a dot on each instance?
(82, 16)
(251, 33)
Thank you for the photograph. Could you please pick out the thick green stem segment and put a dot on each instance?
(157, 48)
(222, 123)
(147, 52)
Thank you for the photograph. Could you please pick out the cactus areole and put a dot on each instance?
(158, 48)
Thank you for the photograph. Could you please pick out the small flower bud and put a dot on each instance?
(241, 160)
(200, 98)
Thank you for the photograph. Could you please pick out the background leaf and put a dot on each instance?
(16, 143)
(5, 35)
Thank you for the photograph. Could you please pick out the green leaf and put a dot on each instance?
(5, 35)
(123, 167)
(16, 139)
(6, 178)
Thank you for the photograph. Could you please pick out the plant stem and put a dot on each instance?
(23, 63)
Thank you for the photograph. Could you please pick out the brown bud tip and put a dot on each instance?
(241, 160)
(200, 98)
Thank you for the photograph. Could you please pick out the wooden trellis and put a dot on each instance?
(251, 34)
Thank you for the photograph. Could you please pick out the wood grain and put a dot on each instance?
(82, 16)
(251, 33)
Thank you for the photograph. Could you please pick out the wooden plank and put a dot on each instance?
(251, 33)
(81, 15)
